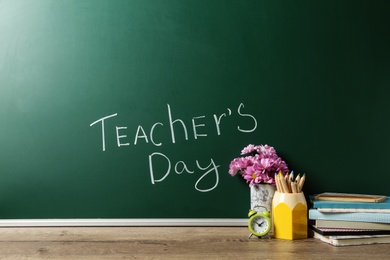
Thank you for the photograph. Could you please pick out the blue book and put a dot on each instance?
(314, 214)
(350, 205)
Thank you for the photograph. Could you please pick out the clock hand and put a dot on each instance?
(261, 224)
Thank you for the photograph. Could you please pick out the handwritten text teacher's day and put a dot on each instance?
(175, 124)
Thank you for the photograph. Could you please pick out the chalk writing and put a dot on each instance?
(181, 167)
(198, 127)
(103, 135)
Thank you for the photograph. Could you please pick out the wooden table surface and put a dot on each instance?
(168, 243)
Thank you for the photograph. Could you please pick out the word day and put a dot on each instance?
(180, 167)
(176, 124)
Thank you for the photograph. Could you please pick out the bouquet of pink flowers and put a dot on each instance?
(258, 164)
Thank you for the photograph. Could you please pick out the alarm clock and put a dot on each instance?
(259, 224)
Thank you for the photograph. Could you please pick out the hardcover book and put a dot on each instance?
(350, 205)
(351, 224)
(315, 214)
(332, 196)
(347, 231)
(353, 240)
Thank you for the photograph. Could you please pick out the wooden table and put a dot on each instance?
(167, 243)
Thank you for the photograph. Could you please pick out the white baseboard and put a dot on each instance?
(122, 222)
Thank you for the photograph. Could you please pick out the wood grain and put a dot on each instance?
(167, 243)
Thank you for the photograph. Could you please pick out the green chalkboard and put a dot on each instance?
(134, 109)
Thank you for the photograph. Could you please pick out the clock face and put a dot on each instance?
(260, 225)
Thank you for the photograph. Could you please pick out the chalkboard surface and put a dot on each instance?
(134, 109)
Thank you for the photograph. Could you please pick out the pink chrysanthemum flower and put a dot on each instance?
(249, 149)
(258, 164)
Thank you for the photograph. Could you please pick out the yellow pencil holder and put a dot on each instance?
(289, 215)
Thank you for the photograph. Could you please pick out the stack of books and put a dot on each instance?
(350, 219)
